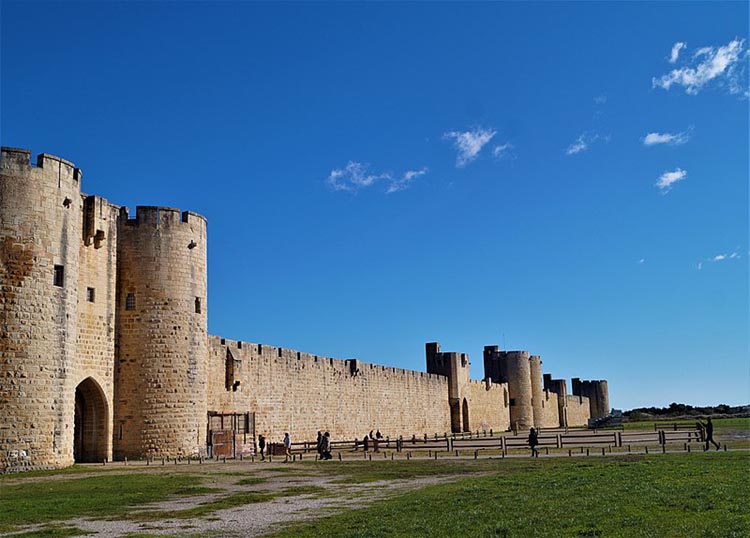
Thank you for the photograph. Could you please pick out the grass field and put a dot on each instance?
(720, 424)
(686, 495)
(662, 496)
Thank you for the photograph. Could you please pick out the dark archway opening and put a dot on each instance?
(455, 416)
(90, 424)
(465, 414)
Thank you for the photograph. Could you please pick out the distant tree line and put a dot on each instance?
(682, 410)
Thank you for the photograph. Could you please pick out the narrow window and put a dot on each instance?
(130, 302)
(197, 305)
(90, 294)
(59, 275)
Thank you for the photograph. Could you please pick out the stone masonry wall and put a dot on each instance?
(96, 315)
(550, 417)
(578, 411)
(302, 393)
(488, 406)
(40, 228)
(160, 383)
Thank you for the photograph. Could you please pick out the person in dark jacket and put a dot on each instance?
(327, 446)
(709, 429)
(533, 442)
(319, 445)
(262, 446)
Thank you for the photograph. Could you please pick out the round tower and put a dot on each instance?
(537, 393)
(601, 394)
(162, 338)
(40, 234)
(518, 374)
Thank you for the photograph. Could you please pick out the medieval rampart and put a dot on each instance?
(302, 393)
(104, 349)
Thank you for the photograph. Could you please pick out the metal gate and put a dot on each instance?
(231, 434)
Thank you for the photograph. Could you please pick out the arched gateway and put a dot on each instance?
(90, 434)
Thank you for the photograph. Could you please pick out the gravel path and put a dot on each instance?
(257, 518)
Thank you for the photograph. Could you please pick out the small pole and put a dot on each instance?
(339, 456)
(570, 452)
(163, 461)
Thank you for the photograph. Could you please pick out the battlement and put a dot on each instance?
(18, 158)
(157, 216)
(353, 367)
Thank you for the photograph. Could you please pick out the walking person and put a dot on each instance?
(366, 442)
(287, 447)
(533, 442)
(327, 446)
(709, 428)
(319, 445)
(262, 447)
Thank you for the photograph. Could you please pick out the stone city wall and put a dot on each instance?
(488, 406)
(302, 393)
(550, 416)
(578, 411)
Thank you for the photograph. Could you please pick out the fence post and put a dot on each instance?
(558, 441)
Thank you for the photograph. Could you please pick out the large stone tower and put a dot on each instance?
(56, 315)
(597, 391)
(454, 366)
(514, 368)
(162, 339)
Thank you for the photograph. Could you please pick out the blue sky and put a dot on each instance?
(376, 176)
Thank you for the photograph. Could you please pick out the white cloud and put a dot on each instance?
(503, 151)
(353, 177)
(583, 142)
(676, 48)
(469, 143)
(667, 179)
(652, 139)
(405, 180)
(356, 176)
(735, 255)
(725, 65)
(721, 257)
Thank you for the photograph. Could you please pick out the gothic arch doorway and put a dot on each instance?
(465, 414)
(90, 424)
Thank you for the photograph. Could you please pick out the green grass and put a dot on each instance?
(53, 531)
(720, 424)
(40, 501)
(251, 481)
(359, 472)
(664, 496)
